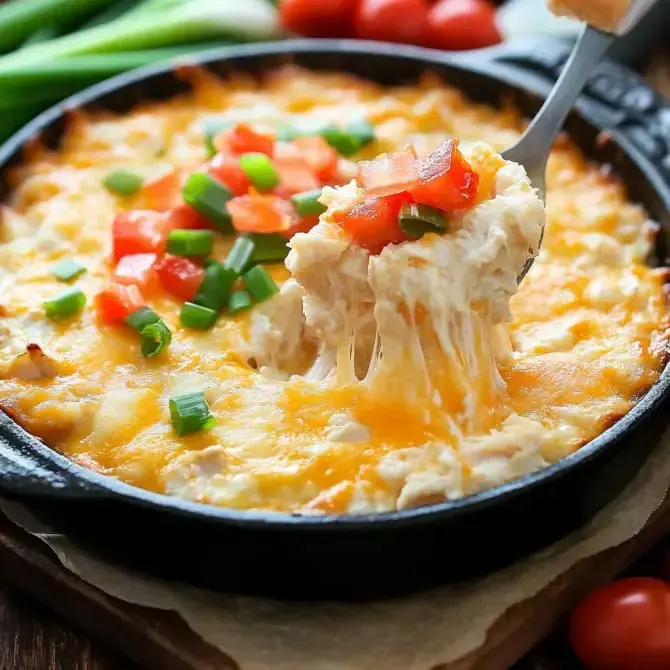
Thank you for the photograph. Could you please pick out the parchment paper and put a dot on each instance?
(414, 633)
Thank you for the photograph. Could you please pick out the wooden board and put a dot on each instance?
(161, 640)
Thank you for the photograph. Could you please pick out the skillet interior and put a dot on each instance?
(230, 549)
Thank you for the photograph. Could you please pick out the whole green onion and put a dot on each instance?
(154, 338)
(239, 256)
(197, 316)
(67, 269)
(238, 302)
(307, 203)
(198, 20)
(190, 242)
(416, 220)
(190, 413)
(123, 182)
(260, 171)
(209, 196)
(19, 19)
(66, 304)
(260, 283)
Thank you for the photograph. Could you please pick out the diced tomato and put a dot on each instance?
(389, 173)
(137, 269)
(446, 179)
(139, 232)
(373, 223)
(320, 156)
(180, 276)
(183, 216)
(162, 190)
(117, 302)
(295, 173)
(227, 169)
(261, 213)
(242, 139)
(301, 225)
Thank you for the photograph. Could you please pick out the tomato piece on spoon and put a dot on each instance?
(390, 173)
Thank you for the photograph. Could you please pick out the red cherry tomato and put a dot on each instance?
(624, 626)
(462, 24)
(318, 18)
(402, 21)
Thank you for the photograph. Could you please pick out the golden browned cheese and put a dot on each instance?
(603, 14)
(588, 330)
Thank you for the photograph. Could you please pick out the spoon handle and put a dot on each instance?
(533, 148)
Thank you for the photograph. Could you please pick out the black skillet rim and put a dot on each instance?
(100, 486)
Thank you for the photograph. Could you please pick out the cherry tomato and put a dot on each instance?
(402, 21)
(462, 24)
(624, 626)
(318, 18)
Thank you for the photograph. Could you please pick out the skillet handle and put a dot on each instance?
(28, 468)
(626, 103)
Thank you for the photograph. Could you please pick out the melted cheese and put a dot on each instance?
(586, 336)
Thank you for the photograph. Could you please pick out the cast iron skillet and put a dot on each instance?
(386, 554)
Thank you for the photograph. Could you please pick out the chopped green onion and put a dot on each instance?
(239, 256)
(307, 203)
(270, 248)
(197, 316)
(190, 242)
(416, 220)
(66, 304)
(142, 318)
(260, 283)
(211, 127)
(67, 269)
(260, 170)
(239, 301)
(287, 133)
(215, 287)
(190, 413)
(351, 139)
(154, 338)
(123, 182)
(209, 196)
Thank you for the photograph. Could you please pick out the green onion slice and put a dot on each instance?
(270, 248)
(142, 318)
(307, 203)
(190, 242)
(350, 140)
(215, 287)
(260, 171)
(123, 182)
(197, 317)
(240, 255)
(209, 196)
(211, 127)
(260, 283)
(190, 413)
(238, 302)
(67, 269)
(416, 220)
(154, 338)
(66, 304)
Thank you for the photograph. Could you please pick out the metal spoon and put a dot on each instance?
(532, 150)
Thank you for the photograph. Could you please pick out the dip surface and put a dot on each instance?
(586, 339)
